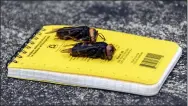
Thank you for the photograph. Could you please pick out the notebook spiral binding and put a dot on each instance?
(12, 59)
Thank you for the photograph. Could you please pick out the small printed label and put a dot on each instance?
(136, 57)
(123, 55)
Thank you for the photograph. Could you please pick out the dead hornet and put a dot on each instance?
(80, 33)
(92, 50)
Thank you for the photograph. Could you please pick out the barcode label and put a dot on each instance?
(151, 60)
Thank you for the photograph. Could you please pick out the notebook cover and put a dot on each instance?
(137, 59)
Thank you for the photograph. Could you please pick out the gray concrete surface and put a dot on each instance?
(157, 19)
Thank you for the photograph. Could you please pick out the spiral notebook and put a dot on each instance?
(140, 64)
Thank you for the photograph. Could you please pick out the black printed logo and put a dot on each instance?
(53, 46)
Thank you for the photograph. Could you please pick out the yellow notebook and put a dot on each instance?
(140, 65)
